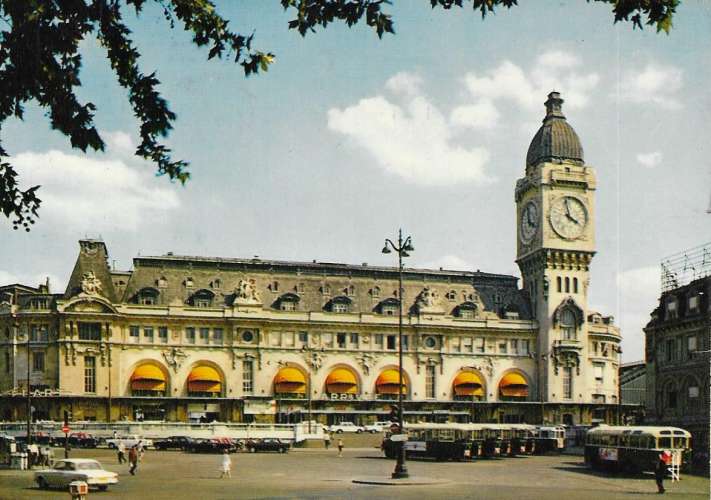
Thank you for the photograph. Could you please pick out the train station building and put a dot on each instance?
(195, 338)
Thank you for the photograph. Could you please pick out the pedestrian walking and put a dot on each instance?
(226, 465)
(340, 448)
(661, 470)
(141, 450)
(121, 451)
(133, 460)
(327, 440)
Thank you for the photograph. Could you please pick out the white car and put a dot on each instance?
(346, 427)
(129, 442)
(65, 471)
(377, 427)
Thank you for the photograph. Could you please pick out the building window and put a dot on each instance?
(274, 286)
(430, 382)
(135, 333)
(353, 339)
(216, 284)
(467, 344)
(514, 346)
(7, 361)
(694, 304)
(205, 335)
(671, 398)
(690, 346)
(89, 374)
(525, 347)
(693, 391)
(341, 340)
(350, 291)
(339, 307)
(247, 376)
(190, 335)
(503, 348)
(379, 340)
(480, 345)
(567, 325)
(430, 342)
(38, 361)
(163, 334)
(405, 342)
(671, 350)
(39, 303)
(567, 383)
(575, 285)
(287, 305)
(148, 333)
(247, 336)
(391, 342)
(39, 333)
(304, 338)
(375, 292)
(599, 369)
(389, 310)
(217, 336)
(456, 344)
(671, 309)
(558, 282)
(466, 313)
(189, 283)
(89, 331)
(567, 285)
(327, 339)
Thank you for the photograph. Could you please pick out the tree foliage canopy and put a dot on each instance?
(40, 61)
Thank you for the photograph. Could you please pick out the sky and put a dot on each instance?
(347, 138)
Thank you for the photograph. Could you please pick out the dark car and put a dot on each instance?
(82, 440)
(212, 445)
(255, 445)
(172, 443)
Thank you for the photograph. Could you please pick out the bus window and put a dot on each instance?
(633, 441)
(679, 442)
(665, 442)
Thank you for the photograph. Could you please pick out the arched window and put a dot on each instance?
(567, 325)
(558, 284)
(575, 285)
(147, 296)
(567, 285)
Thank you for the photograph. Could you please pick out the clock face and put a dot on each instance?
(529, 222)
(568, 217)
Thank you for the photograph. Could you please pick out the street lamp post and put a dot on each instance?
(402, 248)
(29, 393)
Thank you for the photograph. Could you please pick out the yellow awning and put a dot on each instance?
(290, 380)
(389, 381)
(468, 384)
(148, 372)
(342, 381)
(204, 379)
(513, 385)
(148, 385)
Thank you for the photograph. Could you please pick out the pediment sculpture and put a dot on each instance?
(246, 293)
(428, 301)
(174, 357)
(90, 284)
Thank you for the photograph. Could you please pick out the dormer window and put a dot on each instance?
(42, 303)
(287, 302)
(375, 292)
(189, 283)
(340, 304)
(326, 290)
(273, 286)
(388, 307)
(672, 309)
(147, 296)
(465, 310)
(216, 284)
(694, 304)
(201, 298)
(162, 282)
(350, 291)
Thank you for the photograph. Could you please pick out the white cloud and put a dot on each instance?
(650, 160)
(552, 70)
(450, 262)
(481, 115)
(411, 139)
(654, 84)
(119, 143)
(89, 192)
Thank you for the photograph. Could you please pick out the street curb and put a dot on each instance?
(381, 481)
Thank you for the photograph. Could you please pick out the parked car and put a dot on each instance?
(377, 427)
(346, 427)
(82, 440)
(213, 445)
(129, 442)
(255, 445)
(65, 471)
(172, 443)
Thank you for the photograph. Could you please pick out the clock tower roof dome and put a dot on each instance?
(556, 139)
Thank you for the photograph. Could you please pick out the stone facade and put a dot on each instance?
(188, 338)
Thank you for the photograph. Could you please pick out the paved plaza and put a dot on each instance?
(317, 473)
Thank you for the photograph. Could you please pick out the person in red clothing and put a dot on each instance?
(662, 469)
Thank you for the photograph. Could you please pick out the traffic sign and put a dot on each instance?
(65, 429)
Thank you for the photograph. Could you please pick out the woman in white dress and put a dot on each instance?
(226, 465)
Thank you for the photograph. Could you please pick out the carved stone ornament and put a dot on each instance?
(90, 284)
(565, 359)
(239, 355)
(486, 365)
(314, 359)
(366, 361)
(428, 301)
(246, 293)
(174, 357)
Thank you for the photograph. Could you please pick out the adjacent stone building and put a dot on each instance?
(677, 348)
(194, 338)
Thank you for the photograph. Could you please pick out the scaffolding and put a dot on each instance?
(684, 267)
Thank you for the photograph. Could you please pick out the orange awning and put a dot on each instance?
(289, 380)
(468, 384)
(513, 385)
(342, 381)
(389, 381)
(204, 379)
(148, 378)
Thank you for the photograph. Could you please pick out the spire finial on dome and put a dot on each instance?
(554, 105)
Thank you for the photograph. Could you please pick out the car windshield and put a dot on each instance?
(92, 465)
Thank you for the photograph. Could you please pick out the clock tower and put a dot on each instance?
(555, 209)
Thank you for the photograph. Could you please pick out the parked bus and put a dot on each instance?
(550, 439)
(429, 440)
(635, 449)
